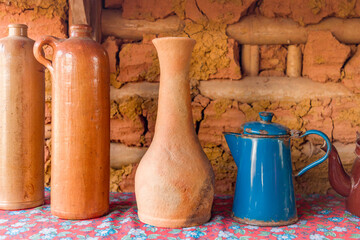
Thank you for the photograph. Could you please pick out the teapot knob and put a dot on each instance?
(266, 116)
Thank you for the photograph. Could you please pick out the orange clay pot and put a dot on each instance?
(22, 96)
(174, 183)
(80, 165)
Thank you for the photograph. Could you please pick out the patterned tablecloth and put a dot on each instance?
(321, 217)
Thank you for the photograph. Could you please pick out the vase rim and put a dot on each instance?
(173, 38)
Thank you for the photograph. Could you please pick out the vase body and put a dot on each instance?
(174, 183)
(80, 124)
(22, 96)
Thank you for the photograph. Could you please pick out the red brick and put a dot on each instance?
(352, 73)
(126, 131)
(345, 115)
(38, 25)
(136, 59)
(227, 12)
(345, 132)
(146, 9)
(275, 8)
(308, 12)
(192, 12)
(272, 60)
(287, 117)
(233, 70)
(219, 117)
(323, 57)
(311, 11)
(319, 118)
(112, 47)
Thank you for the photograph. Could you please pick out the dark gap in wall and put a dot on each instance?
(146, 128)
(286, 58)
(117, 57)
(197, 6)
(30, 9)
(197, 127)
(240, 60)
(197, 124)
(253, 8)
(332, 122)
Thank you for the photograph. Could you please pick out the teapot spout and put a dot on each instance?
(339, 179)
(234, 142)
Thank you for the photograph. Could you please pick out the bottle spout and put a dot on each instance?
(338, 178)
(234, 142)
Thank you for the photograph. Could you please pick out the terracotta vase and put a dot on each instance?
(174, 183)
(22, 96)
(80, 165)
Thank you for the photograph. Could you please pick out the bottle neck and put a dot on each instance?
(17, 30)
(80, 34)
(80, 30)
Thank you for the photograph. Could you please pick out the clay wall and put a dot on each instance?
(325, 96)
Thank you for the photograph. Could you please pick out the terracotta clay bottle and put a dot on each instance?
(80, 165)
(174, 183)
(22, 96)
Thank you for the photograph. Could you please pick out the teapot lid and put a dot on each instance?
(265, 127)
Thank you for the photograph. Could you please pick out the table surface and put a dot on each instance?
(320, 217)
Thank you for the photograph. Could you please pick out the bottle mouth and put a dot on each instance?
(17, 29)
(17, 25)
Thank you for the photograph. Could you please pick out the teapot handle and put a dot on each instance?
(317, 162)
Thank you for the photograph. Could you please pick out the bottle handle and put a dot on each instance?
(39, 53)
(317, 162)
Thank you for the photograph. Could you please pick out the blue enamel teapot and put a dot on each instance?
(264, 192)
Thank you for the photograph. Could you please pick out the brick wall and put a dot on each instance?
(223, 98)
(220, 91)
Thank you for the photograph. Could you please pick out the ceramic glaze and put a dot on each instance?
(22, 96)
(174, 183)
(264, 192)
(346, 185)
(80, 124)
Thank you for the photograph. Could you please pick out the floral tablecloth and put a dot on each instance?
(321, 217)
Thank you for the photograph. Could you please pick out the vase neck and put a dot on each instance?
(174, 108)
